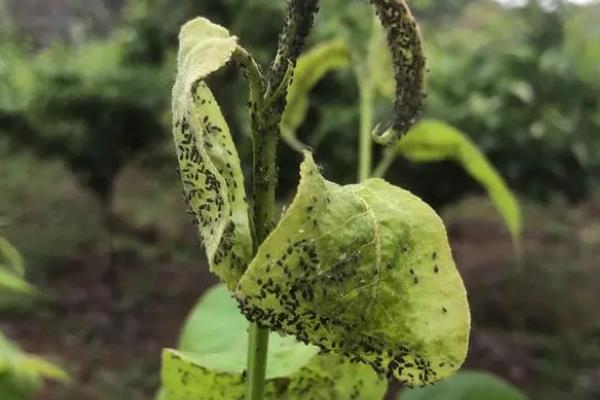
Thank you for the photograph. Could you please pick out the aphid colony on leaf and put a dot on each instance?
(363, 271)
(210, 182)
(337, 273)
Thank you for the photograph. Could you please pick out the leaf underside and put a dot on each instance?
(209, 165)
(364, 271)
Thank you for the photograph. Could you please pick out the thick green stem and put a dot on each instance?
(258, 345)
(366, 126)
(265, 128)
(266, 117)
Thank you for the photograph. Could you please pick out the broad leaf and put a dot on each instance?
(436, 141)
(311, 68)
(466, 386)
(212, 360)
(363, 270)
(209, 164)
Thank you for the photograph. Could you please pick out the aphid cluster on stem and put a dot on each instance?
(404, 40)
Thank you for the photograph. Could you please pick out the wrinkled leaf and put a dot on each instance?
(209, 164)
(311, 68)
(436, 141)
(363, 270)
(466, 386)
(212, 360)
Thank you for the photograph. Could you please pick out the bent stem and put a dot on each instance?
(386, 162)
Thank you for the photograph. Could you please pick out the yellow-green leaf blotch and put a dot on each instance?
(364, 271)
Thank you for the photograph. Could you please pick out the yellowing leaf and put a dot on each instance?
(366, 271)
(436, 141)
(208, 161)
(213, 349)
(311, 68)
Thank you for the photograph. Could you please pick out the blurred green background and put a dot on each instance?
(88, 180)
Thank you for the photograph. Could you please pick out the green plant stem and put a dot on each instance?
(386, 162)
(265, 127)
(258, 346)
(366, 126)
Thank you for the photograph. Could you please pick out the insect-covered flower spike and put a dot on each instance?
(404, 39)
(299, 21)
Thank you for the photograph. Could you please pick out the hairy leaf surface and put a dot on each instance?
(212, 353)
(311, 68)
(436, 141)
(208, 161)
(466, 386)
(366, 271)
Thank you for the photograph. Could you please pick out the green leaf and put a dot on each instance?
(10, 258)
(212, 356)
(21, 374)
(363, 270)
(432, 140)
(209, 164)
(13, 283)
(311, 68)
(216, 333)
(324, 378)
(466, 386)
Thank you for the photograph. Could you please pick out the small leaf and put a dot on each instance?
(213, 350)
(209, 164)
(311, 68)
(23, 366)
(436, 141)
(13, 283)
(466, 386)
(10, 258)
(363, 270)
